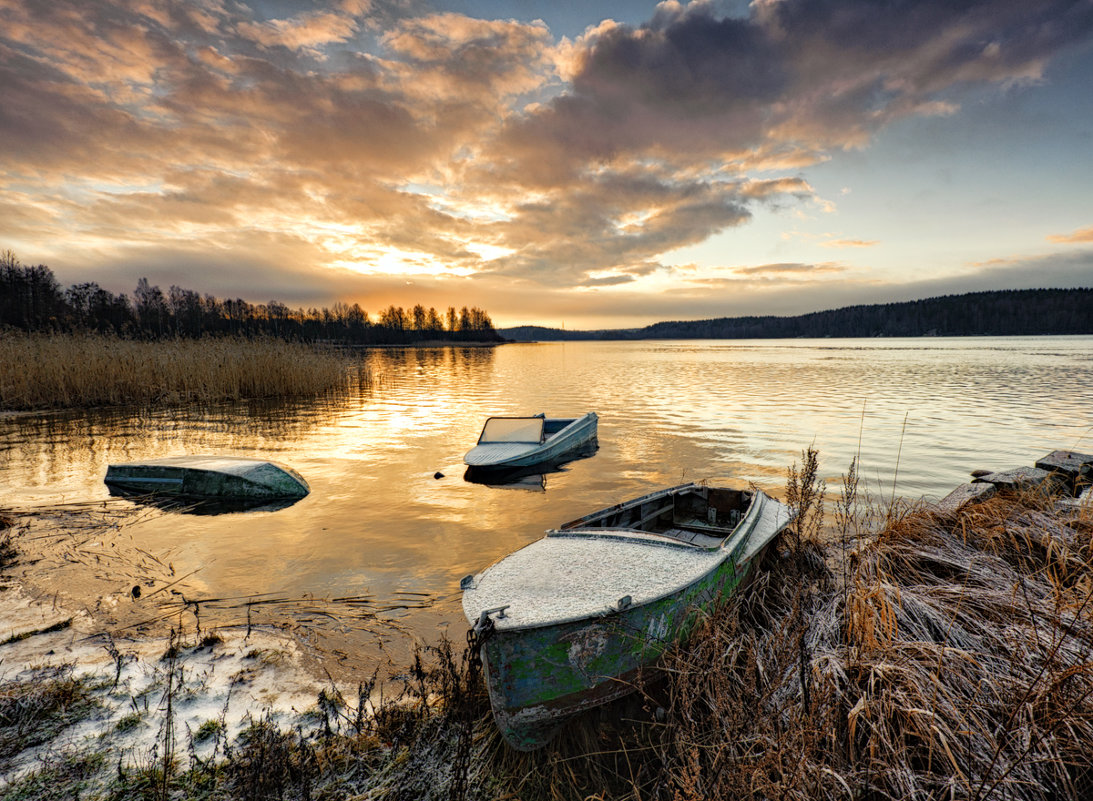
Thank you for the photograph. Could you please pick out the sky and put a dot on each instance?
(578, 164)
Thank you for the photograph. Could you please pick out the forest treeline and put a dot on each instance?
(1015, 312)
(31, 299)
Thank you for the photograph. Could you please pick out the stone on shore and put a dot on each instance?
(1025, 478)
(966, 494)
(1076, 467)
(1083, 501)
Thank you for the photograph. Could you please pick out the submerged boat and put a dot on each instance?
(510, 442)
(201, 477)
(532, 477)
(565, 623)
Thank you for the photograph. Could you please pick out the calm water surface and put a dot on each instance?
(374, 554)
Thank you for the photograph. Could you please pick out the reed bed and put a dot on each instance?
(39, 371)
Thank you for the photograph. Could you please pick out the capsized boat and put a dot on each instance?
(509, 442)
(207, 477)
(565, 623)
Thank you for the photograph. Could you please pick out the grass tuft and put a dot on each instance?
(36, 709)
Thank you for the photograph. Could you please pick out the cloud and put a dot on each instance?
(307, 32)
(358, 137)
(803, 76)
(850, 243)
(791, 267)
(1081, 236)
(1029, 271)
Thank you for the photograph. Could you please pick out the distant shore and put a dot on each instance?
(425, 343)
(1017, 312)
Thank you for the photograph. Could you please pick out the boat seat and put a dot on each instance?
(694, 538)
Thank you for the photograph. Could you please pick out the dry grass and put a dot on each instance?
(950, 656)
(80, 370)
(957, 662)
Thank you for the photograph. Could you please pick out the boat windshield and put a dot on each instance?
(512, 429)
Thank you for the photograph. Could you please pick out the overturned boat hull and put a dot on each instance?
(207, 477)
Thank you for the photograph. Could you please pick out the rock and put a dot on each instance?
(1083, 501)
(966, 494)
(438, 474)
(1023, 478)
(1076, 467)
(981, 473)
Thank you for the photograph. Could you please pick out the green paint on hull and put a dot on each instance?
(538, 677)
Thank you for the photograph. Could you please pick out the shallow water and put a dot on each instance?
(375, 552)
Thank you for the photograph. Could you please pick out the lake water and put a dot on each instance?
(372, 558)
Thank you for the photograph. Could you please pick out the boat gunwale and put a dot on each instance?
(627, 534)
(619, 507)
(750, 519)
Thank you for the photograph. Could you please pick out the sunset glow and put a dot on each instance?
(607, 168)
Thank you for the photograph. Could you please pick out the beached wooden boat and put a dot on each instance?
(510, 442)
(565, 623)
(207, 477)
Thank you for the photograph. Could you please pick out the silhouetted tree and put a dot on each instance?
(31, 300)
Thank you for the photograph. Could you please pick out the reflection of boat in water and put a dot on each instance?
(565, 623)
(511, 442)
(200, 478)
(529, 478)
(532, 479)
(206, 506)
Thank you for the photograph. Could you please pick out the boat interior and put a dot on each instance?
(695, 515)
(552, 425)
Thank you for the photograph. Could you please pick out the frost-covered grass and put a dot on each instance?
(39, 705)
(230, 720)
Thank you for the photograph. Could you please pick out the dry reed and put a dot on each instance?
(40, 371)
(957, 662)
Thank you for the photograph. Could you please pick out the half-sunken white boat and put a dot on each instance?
(511, 442)
(201, 477)
(565, 623)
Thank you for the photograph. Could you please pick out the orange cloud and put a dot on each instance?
(306, 32)
(792, 268)
(1081, 236)
(850, 243)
